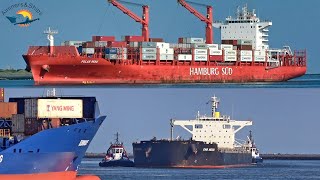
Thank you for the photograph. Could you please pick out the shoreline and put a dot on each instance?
(277, 156)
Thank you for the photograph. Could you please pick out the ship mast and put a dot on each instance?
(215, 102)
(50, 37)
(117, 138)
(171, 129)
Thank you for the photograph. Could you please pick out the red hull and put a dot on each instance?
(66, 175)
(82, 70)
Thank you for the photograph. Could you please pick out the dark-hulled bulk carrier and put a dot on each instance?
(213, 144)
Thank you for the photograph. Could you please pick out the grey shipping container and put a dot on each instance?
(149, 44)
(18, 123)
(149, 57)
(31, 108)
(149, 50)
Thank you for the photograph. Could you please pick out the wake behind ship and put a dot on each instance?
(46, 137)
(243, 56)
(213, 145)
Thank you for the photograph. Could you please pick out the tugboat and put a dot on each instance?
(116, 156)
(256, 158)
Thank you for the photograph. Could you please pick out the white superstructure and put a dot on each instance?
(213, 129)
(247, 27)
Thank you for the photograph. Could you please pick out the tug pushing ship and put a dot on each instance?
(213, 144)
(243, 56)
(116, 156)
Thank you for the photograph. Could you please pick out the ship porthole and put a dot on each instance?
(1, 158)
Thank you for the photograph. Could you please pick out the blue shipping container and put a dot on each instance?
(79, 49)
(111, 50)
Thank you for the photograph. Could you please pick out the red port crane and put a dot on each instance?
(144, 20)
(208, 19)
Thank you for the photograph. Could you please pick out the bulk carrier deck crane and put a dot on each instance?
(208, 19)
(144, 20)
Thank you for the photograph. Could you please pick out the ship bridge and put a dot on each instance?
(212, 129)
(245, 26)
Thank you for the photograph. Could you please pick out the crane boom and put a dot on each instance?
(207, 19)
(144, 20)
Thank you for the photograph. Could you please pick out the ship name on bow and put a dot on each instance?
(89, 61)
(226, 71)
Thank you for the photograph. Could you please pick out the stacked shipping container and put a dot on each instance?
(7, 109)
(188, 49)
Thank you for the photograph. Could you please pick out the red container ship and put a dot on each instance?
(243, 56)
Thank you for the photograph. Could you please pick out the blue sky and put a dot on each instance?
(284, 120)
(294, 24)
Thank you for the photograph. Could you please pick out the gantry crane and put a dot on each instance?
(207, 19)
(144, 20)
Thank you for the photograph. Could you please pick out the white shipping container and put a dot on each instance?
(194, 40)
(184, 57)
(230, 52)
(60, 108)
(149, 50)
(163, 45)
(88, 50)
(246, 58)
(199, 46)
(166, 57)
(260, 58)
(149, 56)
(200, 51)
(226, 47)
(200, 57)
(100, 44)
(230, 58)
(183, 46)
(246, 53)
(215, 52)
(213, 46)
(116, 56)
(259, 53)
(166, 50)
(134, 44)
(73, 43)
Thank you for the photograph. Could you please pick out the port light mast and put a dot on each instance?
(144, 20)
(208, 19)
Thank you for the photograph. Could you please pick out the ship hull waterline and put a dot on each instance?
(187, 154)
(100, 71)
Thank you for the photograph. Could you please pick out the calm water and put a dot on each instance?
(306, 81)
(270, 169)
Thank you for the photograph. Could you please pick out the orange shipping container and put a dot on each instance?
(55, 122)
(7, 109)
(1, 94)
